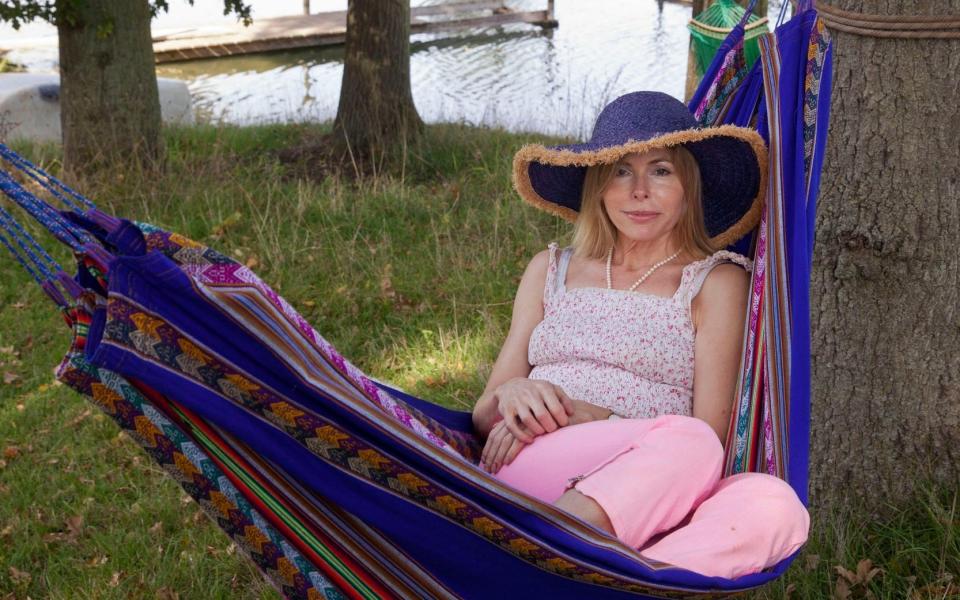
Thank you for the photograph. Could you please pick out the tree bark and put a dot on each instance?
(376, 109)
(109, 104)
(885, 293)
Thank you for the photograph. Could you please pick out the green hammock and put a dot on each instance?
(712, 26)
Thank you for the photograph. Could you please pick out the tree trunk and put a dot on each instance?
(885, 285)
(376, 108)
(109, 104)
(693, 80)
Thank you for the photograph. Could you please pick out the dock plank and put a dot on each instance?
(323, 29)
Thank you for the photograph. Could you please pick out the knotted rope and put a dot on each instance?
(890, 26)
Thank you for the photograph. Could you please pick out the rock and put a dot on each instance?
(30, 105)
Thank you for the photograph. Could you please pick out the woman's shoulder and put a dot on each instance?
(542, 263)
(717, 277)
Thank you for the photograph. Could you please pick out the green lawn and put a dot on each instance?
(409, 274)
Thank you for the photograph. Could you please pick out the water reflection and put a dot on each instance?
(516, 76)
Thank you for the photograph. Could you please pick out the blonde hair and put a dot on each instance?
(594, 232)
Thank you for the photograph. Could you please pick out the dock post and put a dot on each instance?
(550, 10)
(306, 7)
(692, 80)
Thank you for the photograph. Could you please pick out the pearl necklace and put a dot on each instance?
(645, 275)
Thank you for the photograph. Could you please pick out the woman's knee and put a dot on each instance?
(765, 499)
(694, 439)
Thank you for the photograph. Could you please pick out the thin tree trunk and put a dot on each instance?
(376, 109)
(886, 276)
(110, 107)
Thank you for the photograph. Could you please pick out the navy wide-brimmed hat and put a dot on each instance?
(732, 161)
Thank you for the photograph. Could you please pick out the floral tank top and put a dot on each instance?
(629, 352)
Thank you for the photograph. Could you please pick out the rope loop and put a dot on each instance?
(890, 26)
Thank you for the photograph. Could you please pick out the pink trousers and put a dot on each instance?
(658, 480)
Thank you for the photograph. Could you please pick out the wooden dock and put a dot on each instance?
(329, 29)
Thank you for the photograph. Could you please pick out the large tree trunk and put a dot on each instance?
(109, 104)
(886, 273)
(376, 108)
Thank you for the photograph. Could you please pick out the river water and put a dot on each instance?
(519, 77)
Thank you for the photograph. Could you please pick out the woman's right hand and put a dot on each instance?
(531, 406)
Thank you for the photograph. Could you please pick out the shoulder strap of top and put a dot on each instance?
(556, 273)
(561, 277)
(550, 282)
(696, 273)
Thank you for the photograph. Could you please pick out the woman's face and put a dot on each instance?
(644, 200)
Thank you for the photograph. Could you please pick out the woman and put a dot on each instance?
(612, 394)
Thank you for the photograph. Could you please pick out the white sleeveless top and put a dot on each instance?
(629, 352)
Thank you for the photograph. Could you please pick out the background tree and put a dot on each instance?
(886, 273)
(109, 104)
(376, 110)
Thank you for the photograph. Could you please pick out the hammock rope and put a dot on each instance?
(890, 26)
(53, 185)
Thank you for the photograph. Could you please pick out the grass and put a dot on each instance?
(410, 274)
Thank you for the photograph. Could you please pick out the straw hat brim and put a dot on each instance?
(721, 152)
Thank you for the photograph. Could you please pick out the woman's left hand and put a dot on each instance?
(584, 412)
(501, 448)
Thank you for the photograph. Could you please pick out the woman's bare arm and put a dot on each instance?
(512, 361)
(719, 311)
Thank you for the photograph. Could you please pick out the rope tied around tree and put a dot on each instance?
(890, 26)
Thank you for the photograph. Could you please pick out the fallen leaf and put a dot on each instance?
(850, 576)
(9, 377)
(115, 579)
(11, 452)
(812, 561)
(386, 283)
(3, 464)
(252, 262)
(19, 576)
(309, 303)
(788, 593)
(156, 528)
(56, 536)
(19, 305)
(6, 531)
(165, 593)
(866, 571)
(74, 526)
(97, 560)
(227, 223)
(842, 591)
(79, 418)
(936, 590)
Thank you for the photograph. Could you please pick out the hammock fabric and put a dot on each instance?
(338, 486)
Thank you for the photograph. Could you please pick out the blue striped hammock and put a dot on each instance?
(338, 486)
